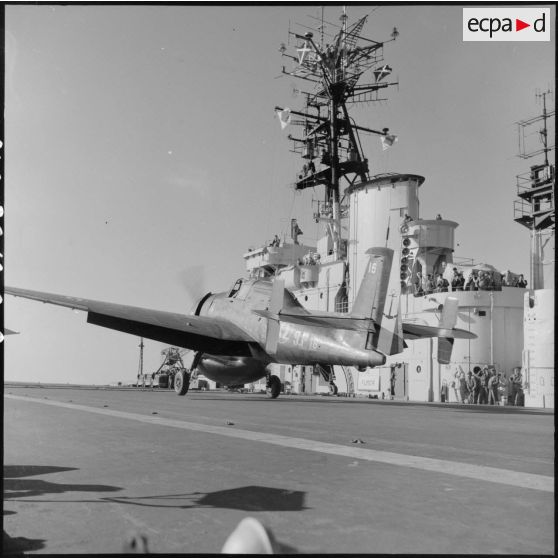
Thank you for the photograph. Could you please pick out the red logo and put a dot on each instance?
(519, 25)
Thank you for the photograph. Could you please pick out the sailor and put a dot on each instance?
(438, 217)
(475, 279)
(471, 387)
(521, 283)
(439, 283)
(429, 285)
(484, 379)
(476, 377)
(484, 282)
(493, 385)
(515, 387)
(455, 279)
(463, 391)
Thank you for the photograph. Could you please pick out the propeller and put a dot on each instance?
(193, 281)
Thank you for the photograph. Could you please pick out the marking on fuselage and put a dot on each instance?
(479, 473)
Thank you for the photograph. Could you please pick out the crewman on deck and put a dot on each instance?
(476, 384)
(493, 385)
(429, 285)
(516, 387)
(471, 387)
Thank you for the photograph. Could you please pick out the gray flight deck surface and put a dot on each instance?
(83, 468)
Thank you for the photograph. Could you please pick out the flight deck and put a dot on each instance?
(86, 469)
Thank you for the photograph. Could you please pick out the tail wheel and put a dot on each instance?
(273, 387)
(181, 382)
(333, 390)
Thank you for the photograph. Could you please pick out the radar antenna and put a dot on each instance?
(350, 69)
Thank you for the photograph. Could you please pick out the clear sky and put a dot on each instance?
(143, 156)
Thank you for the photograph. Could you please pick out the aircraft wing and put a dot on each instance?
(199, 333)
(414, 331)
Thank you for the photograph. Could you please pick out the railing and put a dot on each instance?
(522, 210)
(523, 182)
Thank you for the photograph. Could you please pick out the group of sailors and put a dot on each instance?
(478, 280)
(485, 387)
(312, 258)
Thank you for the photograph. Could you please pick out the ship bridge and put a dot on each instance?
(266, 260)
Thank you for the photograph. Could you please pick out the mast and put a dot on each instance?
(544, 131)
(335, 70)
(140, 364)
(535, 208)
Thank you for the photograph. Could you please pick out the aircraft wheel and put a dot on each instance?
(333, 390)
(274, 387)
(181, 382)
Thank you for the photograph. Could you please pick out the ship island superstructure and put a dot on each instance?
(379, 210)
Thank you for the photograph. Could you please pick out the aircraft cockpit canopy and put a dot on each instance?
(236, 288)
(240, 289)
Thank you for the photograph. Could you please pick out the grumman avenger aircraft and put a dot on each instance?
(236, 335)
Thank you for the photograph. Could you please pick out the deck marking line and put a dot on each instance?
(456, 468)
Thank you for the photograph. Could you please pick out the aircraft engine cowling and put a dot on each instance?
(204, 301)
(231, 370)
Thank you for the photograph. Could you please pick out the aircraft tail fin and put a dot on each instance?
(378, 299)
(273, 324)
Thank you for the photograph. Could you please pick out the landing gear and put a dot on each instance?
(326, 372)
(181, 382)
(273, 387)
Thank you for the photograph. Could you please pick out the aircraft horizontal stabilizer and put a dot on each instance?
(414, 331)
(318, 320)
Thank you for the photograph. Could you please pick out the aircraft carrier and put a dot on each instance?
(394, 468)
(514, 326)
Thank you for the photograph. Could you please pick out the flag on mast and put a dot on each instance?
(284, 117)
(382, 72)
(388, 140)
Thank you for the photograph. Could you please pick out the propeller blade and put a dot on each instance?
(193, 281)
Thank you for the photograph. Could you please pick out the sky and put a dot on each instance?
(144, 157)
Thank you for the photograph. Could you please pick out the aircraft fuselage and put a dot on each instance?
(297, 344)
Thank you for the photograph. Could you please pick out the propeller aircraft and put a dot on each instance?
(237, 334)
